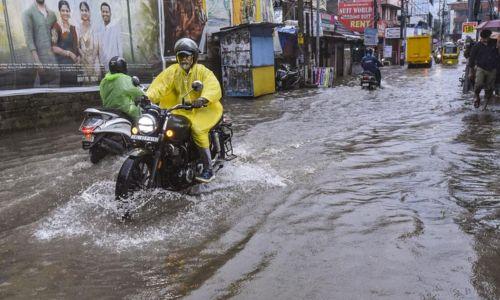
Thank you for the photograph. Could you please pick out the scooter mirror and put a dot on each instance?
(136, 81)
(197, 86)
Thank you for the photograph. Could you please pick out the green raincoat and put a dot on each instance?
(117, 91)
(168, 88)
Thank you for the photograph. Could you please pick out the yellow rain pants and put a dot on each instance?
(168, 88)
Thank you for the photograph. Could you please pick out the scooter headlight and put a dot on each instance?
(146, 124)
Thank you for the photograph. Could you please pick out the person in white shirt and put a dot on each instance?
(109, 38)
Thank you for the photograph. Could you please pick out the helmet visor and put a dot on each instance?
(183, 54)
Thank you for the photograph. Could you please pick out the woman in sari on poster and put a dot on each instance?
(88, 47)
(65, 45)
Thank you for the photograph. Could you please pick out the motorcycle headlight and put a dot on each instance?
(146, 124)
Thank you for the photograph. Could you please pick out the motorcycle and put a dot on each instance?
(368, 80)
(287, 79)
(165, 155)
(105, 131)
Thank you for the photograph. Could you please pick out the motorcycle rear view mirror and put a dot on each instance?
(136, 81)
(197, 86)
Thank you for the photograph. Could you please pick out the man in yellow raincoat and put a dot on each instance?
(174, 82)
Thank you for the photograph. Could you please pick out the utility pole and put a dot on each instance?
(403, 34)
(317, 33)
(303, 60)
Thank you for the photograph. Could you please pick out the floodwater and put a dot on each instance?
(337, 193)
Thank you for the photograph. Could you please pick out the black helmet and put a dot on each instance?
(118, 65)
(187, 46)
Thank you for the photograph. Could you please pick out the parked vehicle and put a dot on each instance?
(418, 51)
(288, 78)
(450, 54)
(105, 131)
(368, 80)
(165, 155)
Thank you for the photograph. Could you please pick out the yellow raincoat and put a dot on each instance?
(168, 88)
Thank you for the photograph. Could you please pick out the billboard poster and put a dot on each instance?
(252, 11)
(356, 14)
(245, 11)
(219, 14)
(185, 18)
(68, 43)
(267, 11)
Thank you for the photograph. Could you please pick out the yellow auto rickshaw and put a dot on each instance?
(450, 53)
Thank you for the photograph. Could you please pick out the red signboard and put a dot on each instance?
(356, 14)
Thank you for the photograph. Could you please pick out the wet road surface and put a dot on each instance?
(337, 194)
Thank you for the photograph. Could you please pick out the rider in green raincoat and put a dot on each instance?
(118, 91)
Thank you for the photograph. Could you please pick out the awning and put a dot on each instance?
(491, 24)
(343, 32)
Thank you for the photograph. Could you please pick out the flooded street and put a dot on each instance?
(337, 193)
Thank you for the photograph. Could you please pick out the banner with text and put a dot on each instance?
(69, 43)
(356, 14)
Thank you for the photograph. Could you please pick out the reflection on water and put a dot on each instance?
(475, 185)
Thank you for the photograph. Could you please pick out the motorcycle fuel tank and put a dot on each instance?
(178, 128)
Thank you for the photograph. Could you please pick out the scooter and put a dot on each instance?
(368, 80)
(105, 131)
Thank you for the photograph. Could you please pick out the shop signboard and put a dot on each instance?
(371, 37)
(387, 51)
(393, 33)
(469, 29)
(356, 14)
(328, 22)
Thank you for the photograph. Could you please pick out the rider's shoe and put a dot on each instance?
(206, 176)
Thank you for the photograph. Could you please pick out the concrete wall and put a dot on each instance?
(21, 112)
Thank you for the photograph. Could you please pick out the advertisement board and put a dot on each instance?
(371, 36)
(219, 14)
(469, 29)
(252, 11)
(184, 18)
(69, 43)
(393, 33)
(356, 14)
(387, 51)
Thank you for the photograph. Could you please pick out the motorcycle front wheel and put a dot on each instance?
(134, 175)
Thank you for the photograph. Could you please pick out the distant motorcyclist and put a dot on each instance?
(174, 82)
(371, 64)
(118, 90)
